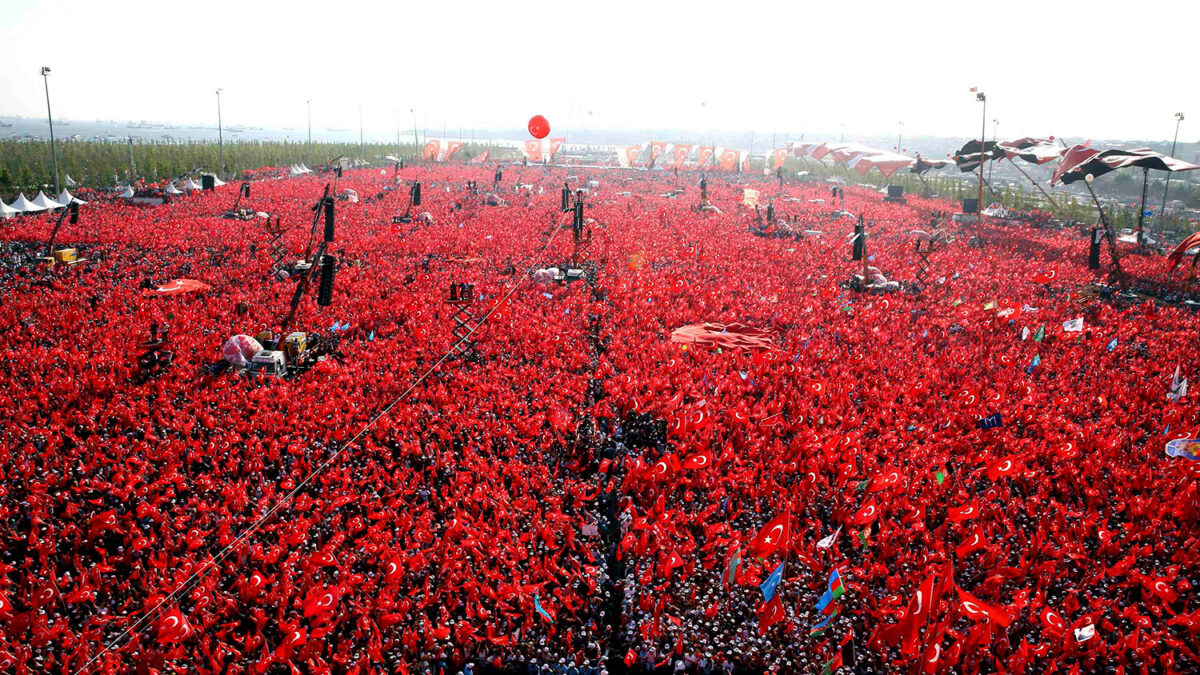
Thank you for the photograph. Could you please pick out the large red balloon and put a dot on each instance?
(538, 126)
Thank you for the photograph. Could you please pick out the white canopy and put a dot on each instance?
(45, 202)
(70, 182)
(190, 184)
(25, 206)
(217, 182)
(66, 198)
(172, 190)
(7, 211)
(127, 193)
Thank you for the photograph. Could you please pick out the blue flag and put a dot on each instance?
(991, 421)
(538, 606)
(1037, 361)
(768, 587)
(1112, 345)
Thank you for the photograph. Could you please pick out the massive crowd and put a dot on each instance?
(588, 496)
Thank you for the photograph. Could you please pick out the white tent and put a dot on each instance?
(217, 182)
(190, 184)
(70, 182)
(172, 190)
(7, 211)
(127, 194)
(25, 206)
(67, 198)
(45, 202)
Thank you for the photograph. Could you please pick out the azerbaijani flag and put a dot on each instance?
(835, 585)
(820, 627)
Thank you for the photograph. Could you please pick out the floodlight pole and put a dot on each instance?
(981, 97)
(416, 143)
(1142, 204)
(220, 134)
(310, 155)
(995, 124)
(362, 148)
(900, 140)
(50, 120)
(1163, 209)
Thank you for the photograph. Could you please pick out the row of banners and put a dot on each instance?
(659, 154)
(655, 154)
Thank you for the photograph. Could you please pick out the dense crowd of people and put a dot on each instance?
(985, 473)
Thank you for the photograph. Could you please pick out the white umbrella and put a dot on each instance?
(24, 205)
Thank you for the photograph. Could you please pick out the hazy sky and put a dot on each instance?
(785, 66)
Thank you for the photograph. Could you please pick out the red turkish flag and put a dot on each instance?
(1161, 588)
(1044, 277)
(1006, 466)
(977, 609)
(866, 515)
(533, 150)
(963, 513)
(771, 613)
(1052, 621)
(321, 602)
(773, 536)
(700, 460)
(173, 628)
(919, 608)
(253, 586)
(103, 522)
(888, 477)
(293, 639)
(972, 543)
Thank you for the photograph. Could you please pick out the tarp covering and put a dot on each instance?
(1032, 150)
(1081, 161)
(178, 286)
(722, 335)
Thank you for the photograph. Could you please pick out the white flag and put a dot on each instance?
(828, 541)
(1178, 387)
(1024, 333)
(1086, 633)
(1073, 326)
